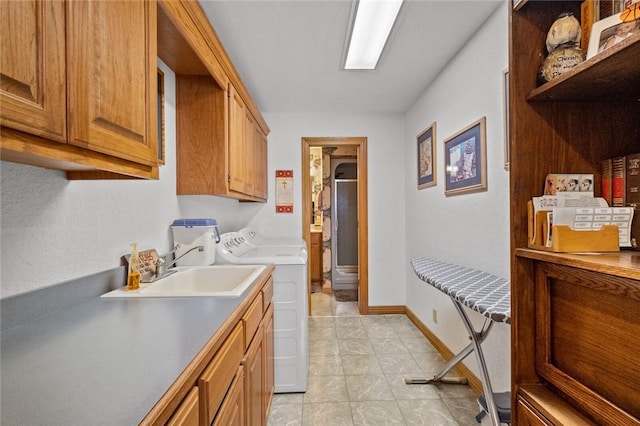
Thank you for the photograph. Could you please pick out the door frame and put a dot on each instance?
(363, 227)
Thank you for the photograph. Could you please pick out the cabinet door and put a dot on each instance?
(260, 162)
(527, 417)
(585, 344)
(237, 145)
(112, 74)
(268, 363)
(218, 376)
(187, 414)
(254, 386)
(315, 256)
(32, 68)
(232, 410)
(251, 154)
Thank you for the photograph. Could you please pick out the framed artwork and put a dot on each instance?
(284, 191)
(505, 106)
(609, 31)
(465, 157)
(427, 157)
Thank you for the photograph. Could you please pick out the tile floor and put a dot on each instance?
(357, 366)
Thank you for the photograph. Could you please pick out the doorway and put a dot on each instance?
(360, 227)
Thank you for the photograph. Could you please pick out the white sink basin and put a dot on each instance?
(197, 281)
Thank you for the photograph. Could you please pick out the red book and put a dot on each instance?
(606, 180)
(633, 180)
(618, 182)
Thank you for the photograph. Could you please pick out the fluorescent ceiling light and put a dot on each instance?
(371, 28)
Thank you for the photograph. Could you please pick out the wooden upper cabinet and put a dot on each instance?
(221, 135)
(251, 175)
(201, 145)
(260, 161)
(218, 149)
(237, 144)
(83, 74)
(32, 68)
(112, 75)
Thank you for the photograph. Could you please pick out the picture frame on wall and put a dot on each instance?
(426, 144)
(161, 138)
(466, 160)
(505, 106)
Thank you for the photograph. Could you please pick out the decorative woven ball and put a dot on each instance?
(563, 44)
(565, 30)
(560, 61)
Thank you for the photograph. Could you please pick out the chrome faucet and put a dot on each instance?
(162, 264)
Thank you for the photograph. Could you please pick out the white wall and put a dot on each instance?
(469, 229)
(386, 189)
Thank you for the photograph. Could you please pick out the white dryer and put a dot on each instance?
(290, 299)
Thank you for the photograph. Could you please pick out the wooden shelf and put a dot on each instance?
(625, 264)
(613, 75)
(553, 407)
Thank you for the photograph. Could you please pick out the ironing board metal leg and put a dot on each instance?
(481, 335)
(464, 352)
(486, 384)
(453, 362)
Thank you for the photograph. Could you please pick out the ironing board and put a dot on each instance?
(482, 292)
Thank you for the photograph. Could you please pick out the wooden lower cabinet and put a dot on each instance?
(188, 413)
(232, 411)
(253, 381)
(217, 377)
(235, 384)
(315, 257)
(259, 372)
(268, 355)
(582, 313)
(528, 417)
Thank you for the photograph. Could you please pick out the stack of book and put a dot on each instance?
(621, 181)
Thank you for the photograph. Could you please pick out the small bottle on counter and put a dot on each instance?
(133, 275)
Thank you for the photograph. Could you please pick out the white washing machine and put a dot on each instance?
(254, 239)
(290, 300)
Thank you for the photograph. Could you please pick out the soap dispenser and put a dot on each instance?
(133, 275)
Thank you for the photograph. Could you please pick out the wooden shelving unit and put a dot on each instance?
(574, 317)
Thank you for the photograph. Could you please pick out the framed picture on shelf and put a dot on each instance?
(426, 141)
(609, 31)
(161, 148)
(466, 160)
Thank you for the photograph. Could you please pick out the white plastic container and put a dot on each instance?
(191, 233)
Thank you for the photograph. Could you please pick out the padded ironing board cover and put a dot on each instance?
(485, 293)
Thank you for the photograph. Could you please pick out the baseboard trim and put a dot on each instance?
(386, 310)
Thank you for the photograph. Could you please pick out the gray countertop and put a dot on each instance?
(103, 361)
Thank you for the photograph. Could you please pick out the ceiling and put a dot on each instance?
(289, 52)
